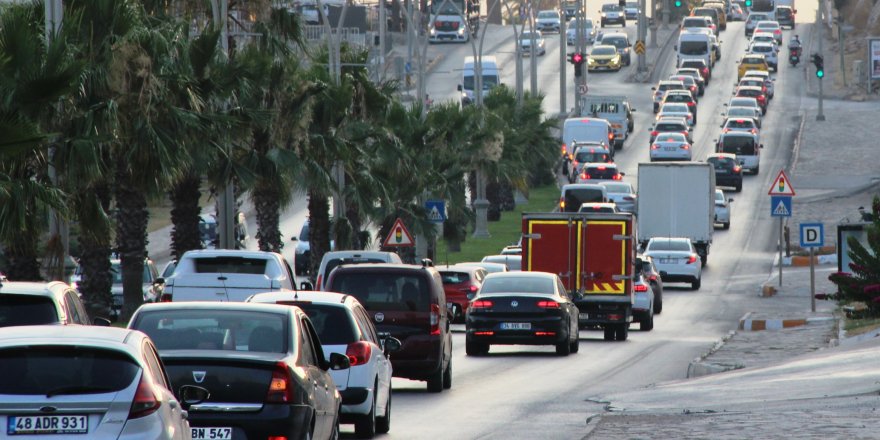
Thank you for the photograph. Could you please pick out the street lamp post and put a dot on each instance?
(533, 52)
(642, 34)
(226, 201)
(563, 44)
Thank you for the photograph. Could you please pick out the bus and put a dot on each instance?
(764, 7)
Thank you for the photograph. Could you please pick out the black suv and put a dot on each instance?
(785, 16)
(728, 171)
(407, 301)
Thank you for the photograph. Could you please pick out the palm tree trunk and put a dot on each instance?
(267, 205)
(319, 229)
(185, 196)
(131, 238)
(96, 280)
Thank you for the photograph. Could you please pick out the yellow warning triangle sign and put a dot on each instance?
(781, 185)
(399, 236)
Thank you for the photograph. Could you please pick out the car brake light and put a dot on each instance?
(653, 277)
(548, 304)
(737, 168)
(482, 304)
(358, 352)
(685, 147)
(692, 259)
(484, 333)
(655, 147)
(564, 150)
(473, 289)
(438, 24)
(640, 288)
(435, 319)
(165, 298)
(691, 104)
(601, 168)
(585, 176)
(145, 401)
(684, 133)
(545, 333)
(281, 387)
(562, 203)
(617, 177)
(455, 25)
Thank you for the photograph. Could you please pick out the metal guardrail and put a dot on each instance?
(351, 35)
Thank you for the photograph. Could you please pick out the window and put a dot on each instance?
(669, 245)
(504, 285)
(253, 266)
(35, 370)
(332, 323)
(386, 291)
(366, 325)
(574, 198)
(73, 316)
(307, 350)
(693, 48)
(151, 358)
(609, 7)
(739, 145)
(26, 310)
(237, 330)
(454, 277)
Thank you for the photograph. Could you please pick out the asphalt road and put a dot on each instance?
(529, 392)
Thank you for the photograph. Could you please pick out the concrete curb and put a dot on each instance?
(753, 325)
(648, 76)
(801, 261)
(698, 367)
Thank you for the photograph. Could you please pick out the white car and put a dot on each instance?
(588, 26)
(747, 125)
(764, 37)
(623, 195)
(722, 209)
(344, 327)
(769, 52)
(772, 27)
(741, 101)
(744, 112)
(671, 146)
(643, 304)
(95, 382)
(525, 43)
(768, 81)
(676, 110)
(676, 259)
(736, 13)
(548, 21)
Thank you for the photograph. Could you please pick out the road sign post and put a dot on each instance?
(812, 236)
(780, 194)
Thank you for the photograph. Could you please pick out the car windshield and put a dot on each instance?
(748, 102)
(335, 262)
(748, 92)
(675, 108)
(590, 155)
(719, 196)
(767, 25)
(575, 23)
(739, 145)
(489, 81)
(687, 80)
(671, 86)
(332, 322)
(548, 14)
(752, 60)
(212, 329)
(741, 111)
(116, 272)
(387, 291)
(504, 285)
(601, 172)
(224, 264)
(740, 123)
(762, 48)
(678, 97)
(512, 262)
(26, 310)
(697, 64)
(617, 42)
(574, 198)
(607, 50)
(698, 22)
(671, 137)
(669, 126)
(668, 245)
(609, 7)
(528, 36)
(34, 370)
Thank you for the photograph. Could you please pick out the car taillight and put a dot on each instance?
(358, 352)
(455, 25)
(684, 133)
(691, 104)
(562, 203)
(685, 147)
(737, 169)
(585, 176)
(548, 304)
(435, 319)
(610, 136)
(725, 130)
(640, 288)
(617, 177)
(145, 401)
(693, 88)
(473, 289)
(481, 304)
(281, 386)
(692, 259)
(655, 147)
(564, 150)
(653, 277)
(438, 24)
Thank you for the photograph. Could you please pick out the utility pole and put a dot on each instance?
(820, 116)
(666, 14)
(533, 63)
(518, 54)
(226, 201)
(563, 51)
(642, 34)
(840, 34)
(580, 47)
(383, 21)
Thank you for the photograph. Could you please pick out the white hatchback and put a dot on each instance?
(676, 259)
(344, 327)
(722, 209)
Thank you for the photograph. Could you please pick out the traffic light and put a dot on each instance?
(748, 3)
(819, 62)
(678, 3)
(577, 59)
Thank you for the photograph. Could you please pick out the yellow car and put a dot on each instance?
(604, 57)
(751, 61)
(722, 15)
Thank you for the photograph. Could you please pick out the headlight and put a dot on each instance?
(461, 31)
(433, 31)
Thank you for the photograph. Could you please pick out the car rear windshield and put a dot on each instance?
(575, 197)
(669, 245)
(721, 163)
(454, 277)
(617, 42)
(26, 310)
(693, 48)
(55, 370)
(694, 22)
(740, 123)
(623, 188)
(665, 87)
(669, 126)
(332, 322)
(334, 263)
(739, 145)
(749, 93)
(678, 97)
(212, 329)
(504, 285)
(600, 173)
(116, 272)
(609, 7)
(385, 291)
(584, 156)
(254, 266)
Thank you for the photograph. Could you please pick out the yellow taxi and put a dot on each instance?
(751, 61)
(604, 57)
(722, 15)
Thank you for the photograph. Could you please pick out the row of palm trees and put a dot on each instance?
(126, 105)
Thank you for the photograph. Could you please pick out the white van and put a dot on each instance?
(584, 130)
(695, 44)
(491, 78)
(746, 146)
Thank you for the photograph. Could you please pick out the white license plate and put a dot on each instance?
(27, 425)
(669, 148)
(668, 260)
(211, 433)
(583, 316)
(516, 326)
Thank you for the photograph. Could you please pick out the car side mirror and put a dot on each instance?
(761, 146)
(192, 395)
(622, 173)
(306, 285)
(294, 238)
(338, 362)
(391, 344)
(101, 322)
(653, 88)
(459, 87)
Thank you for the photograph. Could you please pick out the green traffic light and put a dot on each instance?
(677, 3)
(748, 3)
(820, 74)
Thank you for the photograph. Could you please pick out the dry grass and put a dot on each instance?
(856, 327)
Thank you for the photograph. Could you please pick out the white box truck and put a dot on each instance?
(615, 109)
(677, 199)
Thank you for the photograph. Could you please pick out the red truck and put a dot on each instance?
(594, 254)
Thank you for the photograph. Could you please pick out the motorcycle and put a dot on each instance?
(794, 55)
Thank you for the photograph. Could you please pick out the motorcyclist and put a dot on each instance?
(794, 46)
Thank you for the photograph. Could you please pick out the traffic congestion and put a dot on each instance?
(242, 344)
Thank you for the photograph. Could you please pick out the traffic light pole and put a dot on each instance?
(563, 53)
(579, 46)
(820, 116)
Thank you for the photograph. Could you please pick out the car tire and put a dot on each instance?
(609, 333)
(383, 424)
(447, 376)
(365, 424)
(563, 348)
(726, 226)
(335, 434)
(658, 302)
(757, 169)
(475, 348)
(435, 381)
(621, 333)
(648, 324)
(695, 285)
(738, 187)
(576, 345)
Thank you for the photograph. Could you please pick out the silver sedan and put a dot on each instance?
(622, 194)
(676, 259)
(671, 146)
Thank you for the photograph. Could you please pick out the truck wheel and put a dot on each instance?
(475, 348)
(695, 285)
(726, 225)
(703, 260)
(622, 332)
(739, 187)
(609, 333)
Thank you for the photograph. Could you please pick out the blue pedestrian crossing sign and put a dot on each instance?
(436, 210)
(780, 206)
(812, 235)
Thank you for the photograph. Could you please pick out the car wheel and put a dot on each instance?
(365, 424)
(576, 345)
(563, 348)
(726, 225)
(622, 332)
(658, 301)
(648, 324)
(435, 382)
(383, 424)
(704, 259)
(739, 187)
(695, 285)
(475, 348)
(609, 333)
(447, 376)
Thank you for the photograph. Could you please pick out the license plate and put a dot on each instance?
(669, 148)
(583, 316)
(25, 425)
(516, 326)
(668, 260)
(211, 433)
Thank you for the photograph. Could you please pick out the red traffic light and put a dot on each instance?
(577, 58)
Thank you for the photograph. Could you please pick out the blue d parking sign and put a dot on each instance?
(812, 235)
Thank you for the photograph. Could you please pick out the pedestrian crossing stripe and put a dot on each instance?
(781, 209)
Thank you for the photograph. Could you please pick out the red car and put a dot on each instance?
(460, 283)
(753, 92)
